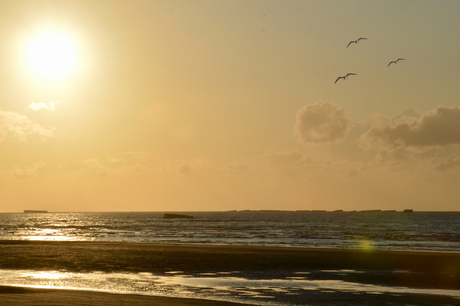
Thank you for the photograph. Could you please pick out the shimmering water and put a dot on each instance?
(421, 231)
(278, 290)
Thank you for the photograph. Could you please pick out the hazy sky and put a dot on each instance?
(219, 105)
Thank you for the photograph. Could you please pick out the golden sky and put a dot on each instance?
(219, 105)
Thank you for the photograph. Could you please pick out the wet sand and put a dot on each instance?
(17, 296)
(427, 269)
(49, 297)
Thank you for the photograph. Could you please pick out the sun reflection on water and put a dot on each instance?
(47, 227)
(46, 275)
(48, 238)
(231, 287)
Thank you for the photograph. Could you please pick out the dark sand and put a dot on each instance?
(427, 269)
(50, 297)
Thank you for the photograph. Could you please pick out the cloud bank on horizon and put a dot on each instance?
(434, 135)
(438, 127)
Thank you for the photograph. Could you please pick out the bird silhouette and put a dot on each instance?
(344, 77)
(396, 61)
(356, 41)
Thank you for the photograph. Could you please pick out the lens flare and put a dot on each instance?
(366, 245)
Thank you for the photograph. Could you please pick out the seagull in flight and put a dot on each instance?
(344, 77)
(396, 61)
(356, 41)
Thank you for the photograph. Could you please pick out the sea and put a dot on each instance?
(379, 230)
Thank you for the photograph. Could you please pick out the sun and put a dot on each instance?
(52, 55)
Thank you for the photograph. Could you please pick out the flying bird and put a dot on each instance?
(344, 77)
(396, 61)
(356, 41)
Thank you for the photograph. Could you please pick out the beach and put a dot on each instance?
(51, 297)
(423, 270)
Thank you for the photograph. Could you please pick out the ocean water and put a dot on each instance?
(418, 231)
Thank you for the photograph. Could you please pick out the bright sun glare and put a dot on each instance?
(52, 55)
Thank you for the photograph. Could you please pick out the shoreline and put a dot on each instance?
(436, 270)
(424, 270)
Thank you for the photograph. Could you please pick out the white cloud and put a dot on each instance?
(51, 106)
(322, 122)
(20, 128)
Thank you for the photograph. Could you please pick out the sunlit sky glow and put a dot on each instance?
(220, 105)
(51, 55)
